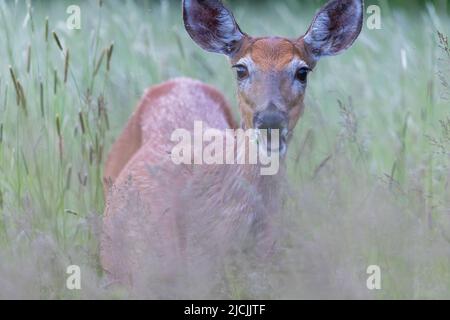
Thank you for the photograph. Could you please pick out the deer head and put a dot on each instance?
(272, 72)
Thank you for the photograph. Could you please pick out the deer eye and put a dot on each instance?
(302, 74)
(241, 71)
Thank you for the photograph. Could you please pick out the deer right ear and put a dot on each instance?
(212, 26)
(335, 27)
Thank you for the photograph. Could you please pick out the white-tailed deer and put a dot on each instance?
(177, 212)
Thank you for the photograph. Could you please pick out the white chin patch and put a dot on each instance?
(273, 146)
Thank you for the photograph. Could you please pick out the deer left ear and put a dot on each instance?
(334, 28)
(212, 26)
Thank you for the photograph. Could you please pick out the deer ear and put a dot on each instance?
(334, 28)
(212, 26)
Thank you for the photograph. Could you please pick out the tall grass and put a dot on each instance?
(369, 163)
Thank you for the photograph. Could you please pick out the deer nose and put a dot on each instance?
(271, 119)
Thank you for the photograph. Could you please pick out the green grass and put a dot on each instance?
(369, 163)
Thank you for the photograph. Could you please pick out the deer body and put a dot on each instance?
(164, 108)
(169, 106)
(167, 214)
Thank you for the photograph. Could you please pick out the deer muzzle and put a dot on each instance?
(272, 128)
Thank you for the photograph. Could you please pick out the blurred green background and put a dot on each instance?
(369, 164)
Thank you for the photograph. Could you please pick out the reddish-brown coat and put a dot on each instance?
(134, 135)
(146, 185)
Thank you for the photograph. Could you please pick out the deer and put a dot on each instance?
(153, 203)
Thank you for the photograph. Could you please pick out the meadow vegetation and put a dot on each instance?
(368, 168)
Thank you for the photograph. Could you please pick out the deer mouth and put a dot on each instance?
(272, 141)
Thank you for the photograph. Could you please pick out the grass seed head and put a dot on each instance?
(58, 42)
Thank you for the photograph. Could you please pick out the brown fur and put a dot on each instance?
(134, 135)
(152, 194)
(273, 53)
(172, 105)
